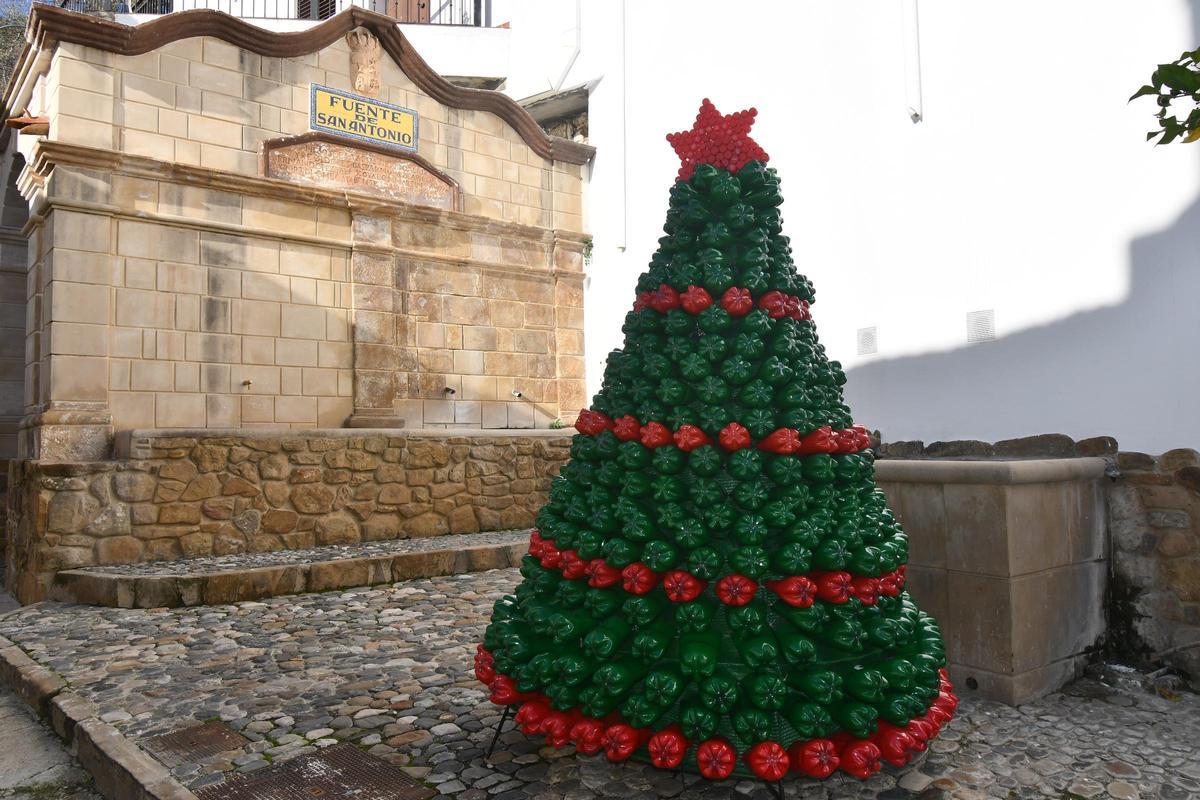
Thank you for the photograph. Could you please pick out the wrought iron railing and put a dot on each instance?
(476, 13)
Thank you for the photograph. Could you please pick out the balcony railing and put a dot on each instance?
(477, 13)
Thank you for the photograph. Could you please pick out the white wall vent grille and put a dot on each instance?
(868, 341)
(981, 326)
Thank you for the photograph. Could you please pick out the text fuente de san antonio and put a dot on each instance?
(366, 119)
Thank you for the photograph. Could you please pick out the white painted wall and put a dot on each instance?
(1027, 189)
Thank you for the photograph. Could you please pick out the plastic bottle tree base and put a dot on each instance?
(716, 583)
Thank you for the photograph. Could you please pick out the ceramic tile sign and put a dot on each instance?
(357, 117)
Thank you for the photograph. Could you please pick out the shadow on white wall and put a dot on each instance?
(1137, 362)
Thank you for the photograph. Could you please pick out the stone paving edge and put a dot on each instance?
(120, 769)
(233, 586)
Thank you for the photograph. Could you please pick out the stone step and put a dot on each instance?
(216, 580)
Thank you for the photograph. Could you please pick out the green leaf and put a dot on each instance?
(1177, 77)
(1142, 92)
(1152, 134)
(1172, 130)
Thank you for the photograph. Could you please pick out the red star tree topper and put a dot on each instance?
(722, 140)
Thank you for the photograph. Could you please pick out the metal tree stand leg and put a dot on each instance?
(508, 712)
(776, 788)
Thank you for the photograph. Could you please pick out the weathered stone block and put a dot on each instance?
(133, 487)
(389, 473)
(337, 528)
(1178, 458)
(249, 521)
(338, 574)
(967, 448)
(428, 524)
(298, 540)
(228, 541)
(394, 494)
(1096, 446)
(1176, 543)
(312, 498)
(112, 521)
(380, 527)
(274, 467)
(67, 556)
(156, 592)
(423, 564)
(239, 486)
(179, 470)
(210, 459)
(1183, 576)
(463, 520)
(179, 513)
(70, 512)
(1189, 478)
(1169, 519)
(196, 544)
(162, 550)
(1046, 445)
(201, 487)
(279, 521)
(118, 550)
(1130, 461)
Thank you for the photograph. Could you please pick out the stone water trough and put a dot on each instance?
(1010, 557)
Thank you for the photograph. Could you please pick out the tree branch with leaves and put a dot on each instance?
(1177, 82)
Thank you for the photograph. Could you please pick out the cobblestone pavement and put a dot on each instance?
(388, 668)
(241, 561)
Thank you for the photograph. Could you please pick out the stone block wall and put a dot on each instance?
(196, 493)
(503, 333)
(1155, 599)
(203, 102)
(171, 319)
(174, 281)
(159, 303)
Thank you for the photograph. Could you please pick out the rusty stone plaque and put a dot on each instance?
(194, 743)
(315, 160)
(341, 772)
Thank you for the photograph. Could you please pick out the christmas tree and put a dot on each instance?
(716, 582)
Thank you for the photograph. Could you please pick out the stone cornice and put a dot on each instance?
(49, 24)
(50, 153)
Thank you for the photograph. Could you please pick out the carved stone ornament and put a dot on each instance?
(364, 61)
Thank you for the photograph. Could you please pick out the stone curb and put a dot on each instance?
(92, 587)
(29, 680)
(120, 769)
